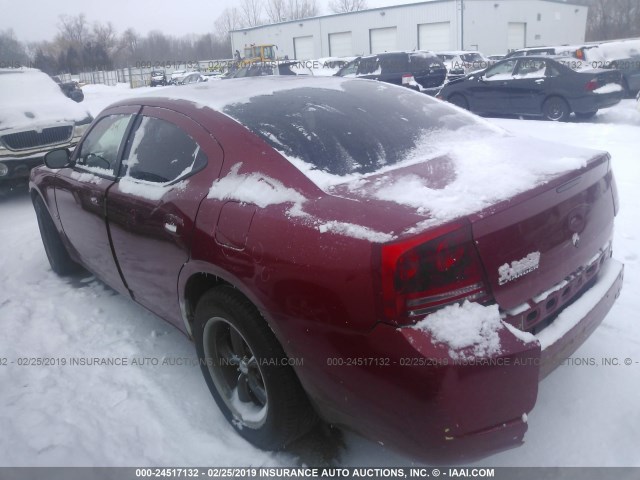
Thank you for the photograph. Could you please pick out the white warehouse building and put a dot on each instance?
(490, 26)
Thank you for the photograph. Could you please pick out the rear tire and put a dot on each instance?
(247, 372)
(556, 109)
(59, 259)
(459, 101)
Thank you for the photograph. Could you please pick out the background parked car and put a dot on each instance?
(415, 70)
(193, 77)
(622, 55)
(176, 75)
(460, 63)
(158, 78)
(70, 88)
(263, 69)
(35, 116)
(576, 51)
(551, 87)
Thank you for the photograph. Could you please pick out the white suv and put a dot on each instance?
(35, 117)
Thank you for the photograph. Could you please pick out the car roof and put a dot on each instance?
(458, 52)
(237, 90)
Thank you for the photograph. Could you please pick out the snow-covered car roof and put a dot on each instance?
(458, 52)
(29, 97)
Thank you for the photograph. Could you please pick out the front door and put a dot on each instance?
(489, 92)
(81, 193)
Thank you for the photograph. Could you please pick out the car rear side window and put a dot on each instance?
(368, 66)
(100, 148)
(501, 71)
(353, 129)
(161, 152)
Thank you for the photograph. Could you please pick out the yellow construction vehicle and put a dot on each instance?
(259, 53)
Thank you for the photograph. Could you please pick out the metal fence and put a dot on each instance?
(141, 76)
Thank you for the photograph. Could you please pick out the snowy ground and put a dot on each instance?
(155, 415)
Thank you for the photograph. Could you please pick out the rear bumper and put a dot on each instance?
(596, 101)
(425, 403)
(575, 323)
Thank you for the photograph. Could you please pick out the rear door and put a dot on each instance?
(81, 194)
(168, 166)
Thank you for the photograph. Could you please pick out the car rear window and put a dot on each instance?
(423, 61)
(360, 129)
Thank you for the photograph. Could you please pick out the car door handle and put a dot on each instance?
(172, 224)
(540, 80)
(171, 228)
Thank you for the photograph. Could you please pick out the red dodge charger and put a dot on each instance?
(344, 250)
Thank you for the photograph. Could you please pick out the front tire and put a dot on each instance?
(556, 109)
(247, 371)
(59, 259)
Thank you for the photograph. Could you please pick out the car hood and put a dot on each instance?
(39, 114)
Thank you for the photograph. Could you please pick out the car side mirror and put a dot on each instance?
(59, 158)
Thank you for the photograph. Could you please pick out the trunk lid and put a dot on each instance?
(539, 238)
(538, 210)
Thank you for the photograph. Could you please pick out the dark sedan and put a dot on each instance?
(345, 249)
(537, 85)
(411, 69)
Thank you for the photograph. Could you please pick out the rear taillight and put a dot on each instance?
(407, 79)
(591, 85)
(429, 271)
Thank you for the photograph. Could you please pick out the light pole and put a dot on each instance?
(461, 24)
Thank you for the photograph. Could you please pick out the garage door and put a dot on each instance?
(340, 44)
(383, 39)
(516, 35)
(303, 48)
(434, 36)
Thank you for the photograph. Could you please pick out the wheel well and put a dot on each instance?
(197, 285)
(34, 194)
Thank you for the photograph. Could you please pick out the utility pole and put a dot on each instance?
(461, 24)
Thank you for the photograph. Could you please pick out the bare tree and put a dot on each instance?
(344, 6)
(105, 36)
(129, 42)
(251, 12)
(229, 19)
(74, 30)
(12, 52)
(276, 10)
(297, 9)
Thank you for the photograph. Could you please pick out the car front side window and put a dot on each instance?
(161, 152)
(350, 69)
(100, 149)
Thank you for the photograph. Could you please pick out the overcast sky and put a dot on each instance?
(34, 20)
